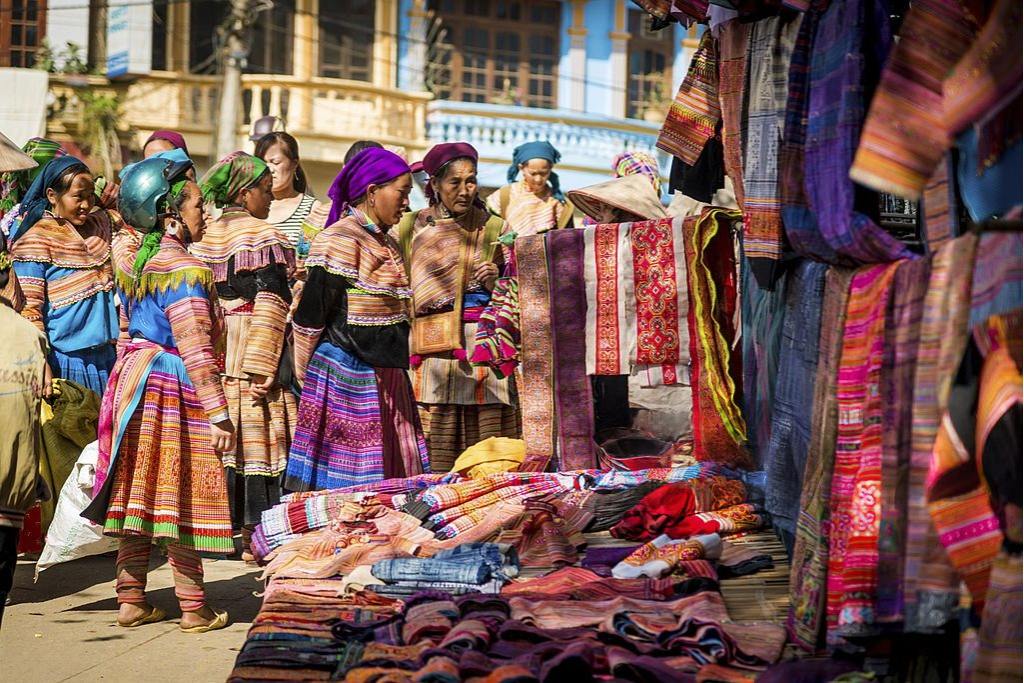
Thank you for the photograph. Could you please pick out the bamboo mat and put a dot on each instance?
(763, 596)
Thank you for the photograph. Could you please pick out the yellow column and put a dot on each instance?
(305, 56)
(177, 36)
(385, 48)
(619, 60)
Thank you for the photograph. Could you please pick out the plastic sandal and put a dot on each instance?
(154, 615)
(219, 621)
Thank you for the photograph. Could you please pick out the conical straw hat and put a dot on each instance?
(12, 158)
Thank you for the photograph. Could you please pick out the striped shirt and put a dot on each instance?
(292, 226)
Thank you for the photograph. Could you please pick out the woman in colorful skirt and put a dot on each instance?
(252, 263)
(453, 254)
(535, 203)
(165, 418)
(61, 254)
(357, 416)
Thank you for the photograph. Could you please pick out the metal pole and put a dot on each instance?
(234, 53)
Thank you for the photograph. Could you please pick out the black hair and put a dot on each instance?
(65, 179)
(358, 146)
(291, 146)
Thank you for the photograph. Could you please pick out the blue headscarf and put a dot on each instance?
(540, 149)
(34, 204)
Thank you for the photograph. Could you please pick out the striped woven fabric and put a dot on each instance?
(577, 583)
(856, 479)
(958, 496)
(902, 339)
(998, 272)
(526, 213)
(905, 134)
(854, 27)
(999, 637)
(611, 305)
(373, 263)
(771, 45)
(809, 565)
(696, 111)
(536, 390)
(938, 202)
(251, 242)
(930, 585)
(733, 48)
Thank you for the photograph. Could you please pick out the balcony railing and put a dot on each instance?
(328, 113)
(587, 142)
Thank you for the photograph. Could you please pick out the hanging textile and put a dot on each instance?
(801, 224)
(857, 475)
(573, 401)
(794, 395)
(902, 337)
(998, 273)
(659, 285)
(861, 28)
(732, 76)
(611, 305)
(808, 568)
(905, 134)
(939, 206)
(718, 427)
(930, 586)
(695, 112)
(537, 389)
(771, 45)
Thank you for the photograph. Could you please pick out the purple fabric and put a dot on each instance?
(171, 136)
(851, 45)
(372, 166)
(573, 403)
(601, 560)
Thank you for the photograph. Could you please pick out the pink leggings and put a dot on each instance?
(133, 565)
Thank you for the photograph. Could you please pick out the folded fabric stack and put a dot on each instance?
(672, 510)
(469, 568)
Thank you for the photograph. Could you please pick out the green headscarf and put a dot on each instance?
(151, 242)
(14, 184)
(231, 175)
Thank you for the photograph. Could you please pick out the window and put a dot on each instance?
(650, 66)
(158, 50)
(22, 28)
(346, 39)
(204, 18)
(272, 34)
(502, 52)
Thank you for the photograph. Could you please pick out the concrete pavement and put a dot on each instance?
(63, 627)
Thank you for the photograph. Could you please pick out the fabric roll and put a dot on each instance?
(809, 565)
(611, 303)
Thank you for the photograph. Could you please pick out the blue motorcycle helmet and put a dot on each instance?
(145, 186)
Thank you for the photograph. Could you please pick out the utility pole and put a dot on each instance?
(233, 54)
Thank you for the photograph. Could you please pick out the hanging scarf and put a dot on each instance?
(229, 176)
(14, 183)
(34, 204)
(540, 149)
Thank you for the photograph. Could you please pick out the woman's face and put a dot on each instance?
(457, 187)
(536, 173)
(155, 147)
(192, 214)
(282, 168)
(389, 202)
(75, 204)
(256, 198)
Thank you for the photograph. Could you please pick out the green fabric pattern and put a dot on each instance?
(231, 175)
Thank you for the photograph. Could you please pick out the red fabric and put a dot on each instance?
(667, 509)
(30, 538)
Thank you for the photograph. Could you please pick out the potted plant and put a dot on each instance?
(656, 104)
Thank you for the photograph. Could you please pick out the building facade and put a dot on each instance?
(588, 75)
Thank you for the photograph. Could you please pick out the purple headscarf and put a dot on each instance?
(171, 136)
(372, 166)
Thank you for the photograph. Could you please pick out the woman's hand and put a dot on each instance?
(486, 274)
(222, 436)
(260, 386)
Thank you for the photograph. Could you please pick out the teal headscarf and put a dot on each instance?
(540, 149)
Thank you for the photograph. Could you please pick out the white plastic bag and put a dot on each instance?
(70, 536)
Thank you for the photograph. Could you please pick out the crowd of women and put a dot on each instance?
(248, 340)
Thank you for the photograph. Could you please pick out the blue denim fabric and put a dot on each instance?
(470, 563)
(794, 393)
